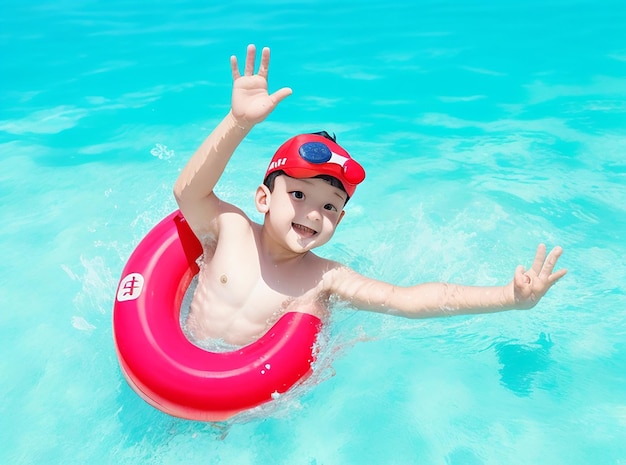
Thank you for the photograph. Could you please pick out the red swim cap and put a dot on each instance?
(309, 155)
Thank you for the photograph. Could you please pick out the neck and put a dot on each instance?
(276, 252)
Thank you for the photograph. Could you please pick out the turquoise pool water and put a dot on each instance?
(485, 128)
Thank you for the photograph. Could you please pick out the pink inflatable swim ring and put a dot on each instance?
(172, 374)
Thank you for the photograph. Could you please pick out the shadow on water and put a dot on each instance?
(520, 363)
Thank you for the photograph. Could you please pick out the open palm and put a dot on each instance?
(251, 101)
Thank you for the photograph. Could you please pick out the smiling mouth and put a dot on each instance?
(303, 230)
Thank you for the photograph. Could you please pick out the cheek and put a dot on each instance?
(284, 209)
(333, 216)
(331, 219)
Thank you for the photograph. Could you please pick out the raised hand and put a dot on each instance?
(529, 286)
(251, 103)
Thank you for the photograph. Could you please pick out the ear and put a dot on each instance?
(262, 199)
(343, 212)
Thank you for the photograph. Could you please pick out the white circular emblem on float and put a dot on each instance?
(130, 287)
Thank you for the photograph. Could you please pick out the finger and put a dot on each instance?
(265, 62)
(554, 277)
(234, 67)
(540, 258)
(550, 262)
(520, 277)
(250, 55)
(280, 94)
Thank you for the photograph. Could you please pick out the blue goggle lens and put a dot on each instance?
(315, 152)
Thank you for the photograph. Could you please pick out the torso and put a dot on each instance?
(241, 292)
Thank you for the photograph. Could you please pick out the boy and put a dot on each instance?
(252, 274)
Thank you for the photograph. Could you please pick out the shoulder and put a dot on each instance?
(232, 232)
(231, 215)
(225, 219)
(232, 225)
(335, 275)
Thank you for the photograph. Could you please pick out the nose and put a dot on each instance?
(314, 215)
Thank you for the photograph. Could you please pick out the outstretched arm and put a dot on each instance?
(442, 299)
(251, 103)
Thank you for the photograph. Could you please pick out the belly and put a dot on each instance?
(237, 306)
(221, 312)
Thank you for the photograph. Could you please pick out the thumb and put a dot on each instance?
(520, 277)
(281, 94)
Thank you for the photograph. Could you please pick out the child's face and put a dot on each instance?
(305, 212)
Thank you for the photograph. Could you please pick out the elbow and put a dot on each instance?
(178, 195)
(178, 192)
(181, 197)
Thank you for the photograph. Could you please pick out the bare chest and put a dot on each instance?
(239, 295)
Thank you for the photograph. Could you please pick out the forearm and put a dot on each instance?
(200, 175)
(419, 301)
(444, 299)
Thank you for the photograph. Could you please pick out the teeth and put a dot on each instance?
(304, 228)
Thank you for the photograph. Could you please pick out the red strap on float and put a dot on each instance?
(191, 245)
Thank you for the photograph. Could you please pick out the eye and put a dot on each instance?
(297, 195)
(331, 207)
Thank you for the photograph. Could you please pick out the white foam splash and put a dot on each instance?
(81, 324)
(162, 152)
